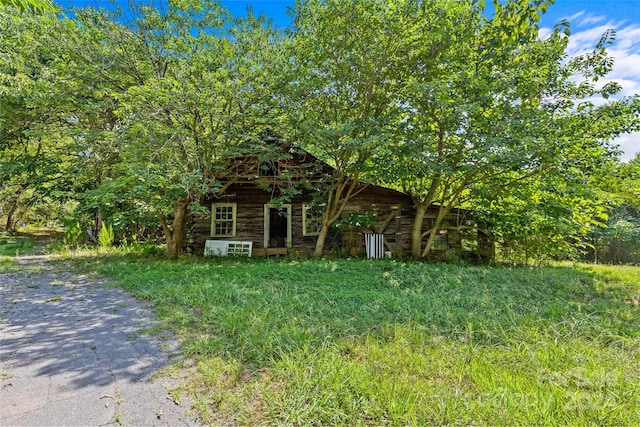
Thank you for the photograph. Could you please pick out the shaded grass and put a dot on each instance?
(334, 342)
(13, 245)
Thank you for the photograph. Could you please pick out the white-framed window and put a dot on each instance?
(311, 219)
(223, 219)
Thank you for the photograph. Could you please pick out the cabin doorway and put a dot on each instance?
(277, 226)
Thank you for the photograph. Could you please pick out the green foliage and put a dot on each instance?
(543, 218)
(355, 220)
(618, 240)
(106, 236)
(489, 104)
(73, 233)
(34, 151)
(341, 96)
(188, 90)
(139, 115)
(338, 342)
(37, 6)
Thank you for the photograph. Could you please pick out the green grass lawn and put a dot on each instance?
(352, 342)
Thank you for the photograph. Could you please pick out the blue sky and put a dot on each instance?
(589, 19)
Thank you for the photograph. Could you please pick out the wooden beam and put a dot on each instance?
(385, 224)
(386, 244)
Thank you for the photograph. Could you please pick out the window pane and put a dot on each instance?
(312, 219)
(222, 223)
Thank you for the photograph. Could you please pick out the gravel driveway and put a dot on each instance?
(72, 352)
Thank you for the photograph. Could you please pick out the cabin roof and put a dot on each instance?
(299, 158)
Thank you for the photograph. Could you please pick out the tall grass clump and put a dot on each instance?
(346, 342)
(106, 237)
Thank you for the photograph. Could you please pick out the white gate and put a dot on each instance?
(374, 242)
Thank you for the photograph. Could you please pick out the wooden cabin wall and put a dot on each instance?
(384, 203)
(456, 221)
(250, 201)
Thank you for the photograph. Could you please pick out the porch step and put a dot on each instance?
(267, 252)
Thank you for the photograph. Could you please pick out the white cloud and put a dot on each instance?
(584, 41)
(590, 19)
(628, 38)
(626, 67)
(544, 32)
(629, 143)
(575, 16)
(626, 53)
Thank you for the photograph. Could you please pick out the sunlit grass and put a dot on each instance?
(351, 342)
(11, 246)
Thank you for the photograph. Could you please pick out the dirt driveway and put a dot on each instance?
(73, 352)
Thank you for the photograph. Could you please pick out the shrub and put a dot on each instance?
(72, 232)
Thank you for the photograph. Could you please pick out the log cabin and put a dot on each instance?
(253, 210)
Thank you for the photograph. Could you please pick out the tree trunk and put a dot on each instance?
(416, 231)
(337, 199)
(432, 237)
(175, 234)
(15, 205)
(98, 223)
(442, 213)
(322, 236)
(11, 223)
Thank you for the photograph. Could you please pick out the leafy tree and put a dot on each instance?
(189, 90)
(342, 85)
(491, 105)
(547, 217)
(33, 145)
(624, 182)
(619, 240)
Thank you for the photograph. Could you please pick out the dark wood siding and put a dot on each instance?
(394, 214)
(251, 201)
